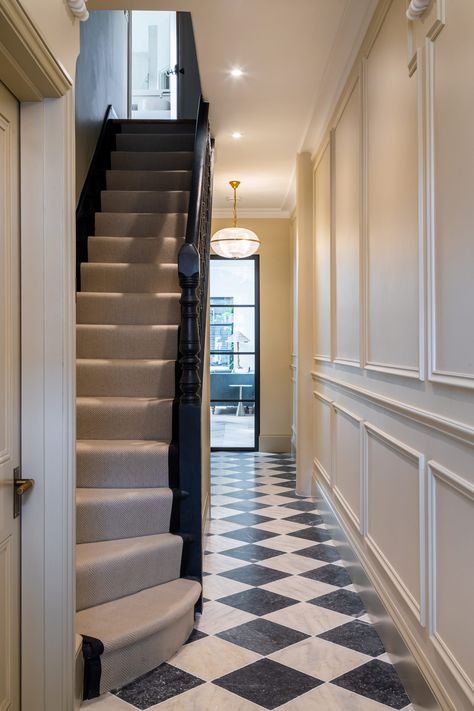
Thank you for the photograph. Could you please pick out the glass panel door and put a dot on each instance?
(234, 353)
(153, 56)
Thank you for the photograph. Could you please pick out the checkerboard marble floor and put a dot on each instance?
(282, 627)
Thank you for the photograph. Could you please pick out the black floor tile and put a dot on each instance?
(254, 575)
(356, 635)
(321, 552)
(247, 519)
(344, 601)
(310, 519)
(302, 505)
(312, 534)
(249, 534)
(262, 636)
(161, 684)
(246, 494)
(267, 683)
(245, 506)
(251, 552)
(330, 574)
(378, 681)
(258, 601)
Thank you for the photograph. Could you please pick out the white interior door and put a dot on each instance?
(9, 402)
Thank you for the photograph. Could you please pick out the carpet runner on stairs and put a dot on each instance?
(129, 592)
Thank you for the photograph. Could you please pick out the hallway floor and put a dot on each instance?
(282, 627)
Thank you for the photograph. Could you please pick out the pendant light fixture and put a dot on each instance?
(235, 242)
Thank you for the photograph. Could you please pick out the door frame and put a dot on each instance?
(37, 78)
(255, 258)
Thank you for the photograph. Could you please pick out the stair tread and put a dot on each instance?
(125, 444)
(119, 362)
(101, 551)
(118, 399)
(91, 494)
(123, 622)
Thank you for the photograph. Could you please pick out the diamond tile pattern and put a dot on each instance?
(281, 619)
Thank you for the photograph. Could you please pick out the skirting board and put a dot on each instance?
(274, 443)
(79, 667)
(412, 678)
(206, 516)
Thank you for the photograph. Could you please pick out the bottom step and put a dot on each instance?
(140, 631)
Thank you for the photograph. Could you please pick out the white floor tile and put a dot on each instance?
(206, 697)
(217, 617)
(332, 698)
(211, 658)
(216, 586)
(107, 702)
(299, 588)
(292, 563)
(320, 658)
(308, 618)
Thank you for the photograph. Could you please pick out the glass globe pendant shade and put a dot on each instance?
(235, 243)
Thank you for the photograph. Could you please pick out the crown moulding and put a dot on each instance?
(79, 9)
(417, 8)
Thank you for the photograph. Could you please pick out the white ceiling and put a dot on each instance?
(295, 56)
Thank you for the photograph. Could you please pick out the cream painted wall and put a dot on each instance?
(393, 352)
(59, 29)
(275, 329)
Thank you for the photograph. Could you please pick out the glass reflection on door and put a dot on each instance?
(234, 353)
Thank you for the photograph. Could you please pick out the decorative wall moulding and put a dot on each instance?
(79, 9)
(445, 425)
(27, 66)
(417, 8)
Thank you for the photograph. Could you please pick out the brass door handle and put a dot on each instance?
(20, 487)
(23, 485)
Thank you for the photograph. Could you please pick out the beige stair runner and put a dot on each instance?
(129, 592)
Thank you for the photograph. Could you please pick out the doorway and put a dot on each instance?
(234, 353)
(153, 60)
(9, 400)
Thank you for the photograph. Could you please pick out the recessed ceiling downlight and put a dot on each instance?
(237, 135)
(236, 72)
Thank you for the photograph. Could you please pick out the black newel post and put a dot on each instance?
(189, 343)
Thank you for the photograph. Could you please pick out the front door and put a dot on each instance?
(9, 402)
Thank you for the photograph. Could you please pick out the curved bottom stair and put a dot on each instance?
(140, 631)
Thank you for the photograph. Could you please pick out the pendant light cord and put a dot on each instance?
(235, 207)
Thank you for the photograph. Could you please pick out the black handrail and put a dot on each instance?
(193, 271)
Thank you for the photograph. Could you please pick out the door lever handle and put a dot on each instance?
(23, 485)
(20, 487)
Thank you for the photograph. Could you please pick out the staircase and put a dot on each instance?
(134, 609)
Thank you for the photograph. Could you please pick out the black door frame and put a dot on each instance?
(255, 258)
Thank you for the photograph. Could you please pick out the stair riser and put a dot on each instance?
(138, 160)
(108, 579)
(127, 517)
(125, 379)
(124, 665)
(134, 224)
(134, 420)
(156, 342)
(135, 250)
(150, 142)
(128, 309)
(144, 201)
(143, 467)
(148, 180)
(137, 126)
(130, 278)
